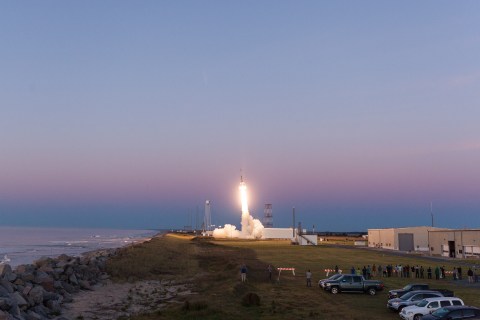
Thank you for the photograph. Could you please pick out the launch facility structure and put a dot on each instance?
(254, 229)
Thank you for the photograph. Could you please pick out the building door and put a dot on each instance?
(451, 249)
(405, 242)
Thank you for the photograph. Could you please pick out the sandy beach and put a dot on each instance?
(114, 300)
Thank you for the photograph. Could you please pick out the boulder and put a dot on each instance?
(48, 285)
(4, 269)
(57, 285)
(68, 287)
(63, 257)
(4, 292)
(36, 294)
(41, 310)
(11, 277)
(27, 276)
(7, 285)
(51, 296)
(69, 271)
(84, 284)
(104, 276)
(24, 268)
(20, 301)
(67, 297)
(27, 289)
(43, 261)
(73, 279)
(58, 271)
(33, 316)
(15, 311)
(19, 282)
(54, 306)
(6, 303)
(40, 276)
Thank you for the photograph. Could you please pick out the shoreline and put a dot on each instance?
(42, 289)
(20, 245)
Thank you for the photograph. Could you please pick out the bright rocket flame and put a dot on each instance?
(243, 197)
(251, 228)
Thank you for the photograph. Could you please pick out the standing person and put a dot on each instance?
(308, 274)
(336, 269)
(470, 275)
(422, 272)
(352, 271)
(442, 271)
(269, 271)
(429, 273)
(374, 270)
(459, 273)
(437, 273)
(243, 272)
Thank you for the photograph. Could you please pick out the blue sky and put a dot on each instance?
(132, 114)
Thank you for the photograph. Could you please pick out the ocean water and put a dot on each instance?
(22, 245)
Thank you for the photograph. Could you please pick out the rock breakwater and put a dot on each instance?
(37, 291)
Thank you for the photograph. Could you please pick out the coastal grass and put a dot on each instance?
(158, 259)
(213, 267)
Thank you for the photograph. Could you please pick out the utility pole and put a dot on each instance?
(293, 225)
(431, 211)
(196, 219)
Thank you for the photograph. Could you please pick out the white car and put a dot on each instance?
(427, 306)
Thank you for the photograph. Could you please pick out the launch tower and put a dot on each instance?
(268, 216)
(208, 216)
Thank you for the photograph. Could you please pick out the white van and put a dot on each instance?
(427, 306)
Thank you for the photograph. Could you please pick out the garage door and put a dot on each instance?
(405, 242)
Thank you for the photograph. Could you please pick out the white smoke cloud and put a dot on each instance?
(251, 228)
(229, 231)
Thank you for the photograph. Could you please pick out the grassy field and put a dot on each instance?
(213, 266)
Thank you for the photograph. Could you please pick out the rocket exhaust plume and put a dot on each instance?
(251, 228)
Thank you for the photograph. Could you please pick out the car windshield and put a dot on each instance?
(335, 276)
(422, 303)
(440, 312)
(408, 295)
(407, 287)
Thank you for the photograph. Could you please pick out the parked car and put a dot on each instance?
(454, 312)
(321, 283)
(353, 283)
(397, 293)
(427, 306)
(411, 298)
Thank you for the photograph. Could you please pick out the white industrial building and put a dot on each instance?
(455, 243)
(402, 239)
(288, 234)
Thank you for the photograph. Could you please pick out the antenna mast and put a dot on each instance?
(431, 211)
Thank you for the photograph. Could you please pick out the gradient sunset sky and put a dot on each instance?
(130, 114)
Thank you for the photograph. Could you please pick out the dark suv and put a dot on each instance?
(454, 312)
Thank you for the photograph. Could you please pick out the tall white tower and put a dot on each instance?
(208, 216)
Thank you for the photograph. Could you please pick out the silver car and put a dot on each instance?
(411, 298)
